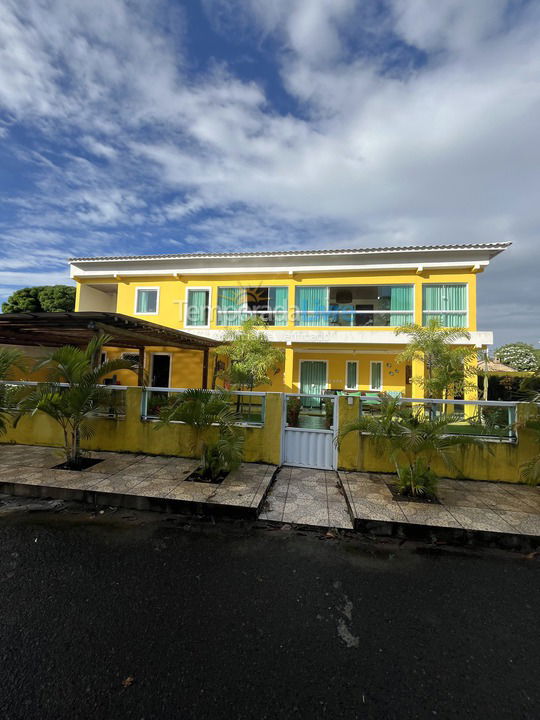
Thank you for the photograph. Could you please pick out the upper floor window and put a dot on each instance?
(146, 301)
(355, 306)
(446, 303)
(198, 307)
(236, 304)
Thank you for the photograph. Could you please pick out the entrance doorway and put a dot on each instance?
(161, 370)
(312, 381)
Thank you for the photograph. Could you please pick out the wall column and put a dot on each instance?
(288, 369)
(418, 372)
(471, 385)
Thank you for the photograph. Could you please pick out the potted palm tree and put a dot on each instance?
(72, 393)
(412, 440)
(208, 412)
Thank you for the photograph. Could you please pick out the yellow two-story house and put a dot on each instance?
(333, 312)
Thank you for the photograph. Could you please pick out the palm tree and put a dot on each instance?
(73, 392)
(412, 441)
(447, 365)
(203, 410)
(10, 359)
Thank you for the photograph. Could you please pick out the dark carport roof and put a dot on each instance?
(77, 328)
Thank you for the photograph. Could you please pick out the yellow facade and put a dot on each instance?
(187, 366)
(173, 291)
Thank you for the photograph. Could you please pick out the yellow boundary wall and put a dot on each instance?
(132, 434)
(492, 461)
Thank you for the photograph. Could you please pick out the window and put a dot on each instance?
(132, 357)
(351, 375)
(146, 301)
(375, 375)
(198, 307)
(236, 304)
(446, 303)
(355, 306)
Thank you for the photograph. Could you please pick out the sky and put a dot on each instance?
(131, 127)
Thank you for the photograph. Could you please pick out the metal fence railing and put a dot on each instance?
(251, 406)
(485, 419)
(115, 407)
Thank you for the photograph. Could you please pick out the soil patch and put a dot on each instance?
(429, 499)
(83, 464)
(197, 476)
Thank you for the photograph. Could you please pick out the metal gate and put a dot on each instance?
(309, 428)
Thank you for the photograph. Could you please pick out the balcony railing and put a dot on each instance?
(353, 318)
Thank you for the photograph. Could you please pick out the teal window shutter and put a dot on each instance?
(401, 298)
(146, 301)
(376, 375)
(352, 372)
(197, 311)
(279, 304)
(446, 303)
(312, 306)
(230, 305)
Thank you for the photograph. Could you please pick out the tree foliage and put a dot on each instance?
(252, 357)
(208, 412)
(41, 298)
(449, 367)
(519, 355)
(412, 440)
(73, 391)
(10, 360)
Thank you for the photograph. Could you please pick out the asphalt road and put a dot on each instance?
(104, 617)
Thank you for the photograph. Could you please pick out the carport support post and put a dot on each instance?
(140, 369)
(205, 369)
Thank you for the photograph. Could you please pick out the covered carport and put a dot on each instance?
(55, 329)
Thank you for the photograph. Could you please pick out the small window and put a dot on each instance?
(375, 380)
(197, 307)
(132, 357)
(351, 379)
(147, 301)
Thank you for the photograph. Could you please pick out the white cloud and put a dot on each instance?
(441, 146)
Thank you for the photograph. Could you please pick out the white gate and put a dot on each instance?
(309, 427)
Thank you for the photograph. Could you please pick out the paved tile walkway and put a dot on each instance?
(307, 497)
(465, 505)
(28, 470)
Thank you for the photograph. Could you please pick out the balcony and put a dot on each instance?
(101, 297)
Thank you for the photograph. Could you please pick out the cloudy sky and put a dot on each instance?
(129, 126)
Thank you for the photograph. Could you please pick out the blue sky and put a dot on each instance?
(136, 127)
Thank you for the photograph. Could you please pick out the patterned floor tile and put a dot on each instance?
(424, 514)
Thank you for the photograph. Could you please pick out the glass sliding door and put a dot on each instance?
(446, 303)
(401, 305)
(312, 305)
(231, 304)
(312, 381)
(278, 298)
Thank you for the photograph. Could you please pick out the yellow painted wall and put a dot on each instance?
(491, 461)
(173, 291)
(132, 434)
(498, 462)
